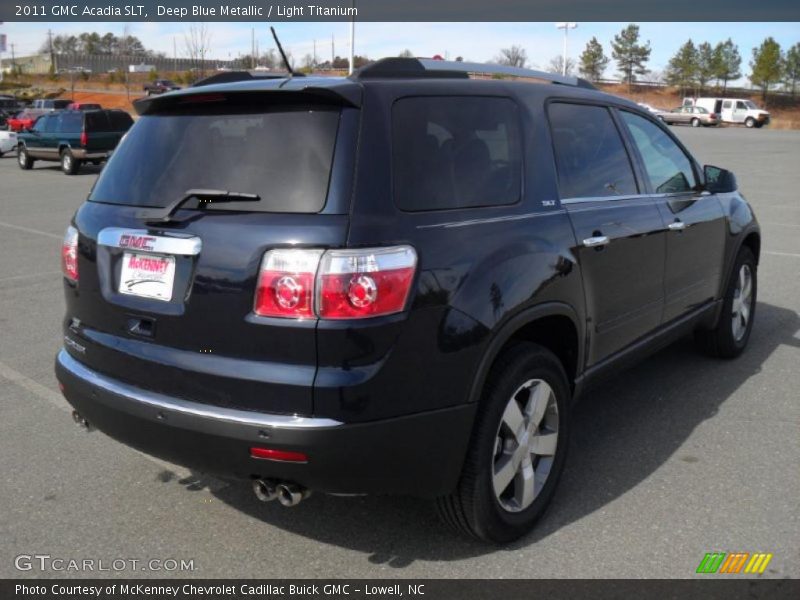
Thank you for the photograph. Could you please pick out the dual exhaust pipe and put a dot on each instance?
(81, 421)
(288, 494)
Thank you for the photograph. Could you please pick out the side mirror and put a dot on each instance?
(719, 181)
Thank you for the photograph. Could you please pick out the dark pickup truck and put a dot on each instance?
(160, 86)
(73, 137)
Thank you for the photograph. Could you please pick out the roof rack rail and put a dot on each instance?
(231, 76)
(434, 68)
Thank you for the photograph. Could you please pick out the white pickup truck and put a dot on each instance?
(732, 110)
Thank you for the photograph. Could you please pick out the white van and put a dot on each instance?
(732, 110)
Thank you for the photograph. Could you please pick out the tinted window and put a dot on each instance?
(71, 122)
(590, 157)
(740, 106)
(41, 123)
(98, 121)
(669, 169)
(51, 125)
(60, 103)
(283, 154)
(455, 152)
(120, 121)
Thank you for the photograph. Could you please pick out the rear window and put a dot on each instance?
(71, 122)
(61, 103)
(455, 152)
(281, 153)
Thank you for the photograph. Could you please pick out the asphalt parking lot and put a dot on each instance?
(679, 456)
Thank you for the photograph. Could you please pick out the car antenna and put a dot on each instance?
(283, 54)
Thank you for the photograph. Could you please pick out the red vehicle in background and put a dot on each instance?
(24, 120)
(83, 106)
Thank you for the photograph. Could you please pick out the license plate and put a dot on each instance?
(147, 275)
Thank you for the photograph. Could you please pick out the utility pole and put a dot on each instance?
(314, 60)
(333, 51)
(352, 39)
(52, 55)
(566, 27)
(253, 48)
(174, 55)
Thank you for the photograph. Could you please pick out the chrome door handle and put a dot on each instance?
(594, 242)
(677, 226)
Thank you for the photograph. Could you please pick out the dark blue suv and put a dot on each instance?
(394, 283)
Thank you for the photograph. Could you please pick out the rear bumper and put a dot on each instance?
(83, 154)
(419, 454)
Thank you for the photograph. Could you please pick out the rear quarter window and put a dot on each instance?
(455, 152)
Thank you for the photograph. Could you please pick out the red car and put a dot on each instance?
(24, 120)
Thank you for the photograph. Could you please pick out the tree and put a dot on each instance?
(557, 65)
(727, 63)
(706, 66)
(198, 43)
(791, 67)
(406, 54)
(515, 56)
(631, 56)
(766, 66)
(593, 61)
(682, 68)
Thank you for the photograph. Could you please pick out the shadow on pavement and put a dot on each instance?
(621, 433)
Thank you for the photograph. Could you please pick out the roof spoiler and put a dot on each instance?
(232, 76)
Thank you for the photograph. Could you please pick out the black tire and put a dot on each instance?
(69, 164)
(24, 160)
(749, 122)
(695, 122)
(474, 508)
(722, 341)
(759, 125)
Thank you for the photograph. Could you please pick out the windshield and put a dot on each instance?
(282, 154)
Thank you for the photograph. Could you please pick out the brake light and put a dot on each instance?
(69, 254)
(84, 138)
(353, 284)
(286, 283)
(337, 284)
(280, 455)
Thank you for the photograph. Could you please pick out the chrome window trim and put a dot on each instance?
(173, 243)
(186, 407)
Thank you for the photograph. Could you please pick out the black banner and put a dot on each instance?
(431, 589)
(398, 10)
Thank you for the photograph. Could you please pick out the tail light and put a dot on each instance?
(69, 254)
(364, 283)
(337, 284)
(84, 138)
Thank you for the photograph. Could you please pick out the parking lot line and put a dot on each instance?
(29, 230)
(781, 253)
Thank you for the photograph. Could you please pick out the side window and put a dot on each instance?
(590, 157)
(52, 124)
(727, 104)
(740, 105)
(41, 123)
(120, 121)
(71, 122)
(455, 152)
(669, 169)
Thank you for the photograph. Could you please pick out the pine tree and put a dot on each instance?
(767, 66)
(706, 66)
(631, 56)
(791, 67)
(682, 68)
(727, 63)
(593, 61)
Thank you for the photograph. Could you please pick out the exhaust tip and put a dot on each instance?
(265, 490)
(291, 494)
(80, 421)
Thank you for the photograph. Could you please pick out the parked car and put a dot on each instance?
(690, 115)
(160, 86)
(393, 283)
(739, 111)
(8, 141)
(83, 106)
(23, 120)
(9, 107)
(50, 105)
(72, 137)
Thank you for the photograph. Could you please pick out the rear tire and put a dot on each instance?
(750, 122)
(695, 122)
(729, 338)
(69, 164)
(24, 159)
(517, 450)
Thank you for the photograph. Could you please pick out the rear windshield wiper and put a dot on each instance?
(164, 214)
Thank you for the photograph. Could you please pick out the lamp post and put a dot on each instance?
(352, 39)
(566, 27)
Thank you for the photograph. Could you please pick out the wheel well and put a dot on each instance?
(556, 333)
(753, 241)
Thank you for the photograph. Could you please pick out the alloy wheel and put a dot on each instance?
(742, 302)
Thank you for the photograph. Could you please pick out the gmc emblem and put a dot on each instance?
(139, 242)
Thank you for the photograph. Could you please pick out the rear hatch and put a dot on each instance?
(168, 305)
(104, 129)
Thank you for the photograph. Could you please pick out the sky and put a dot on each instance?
(479, 42)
